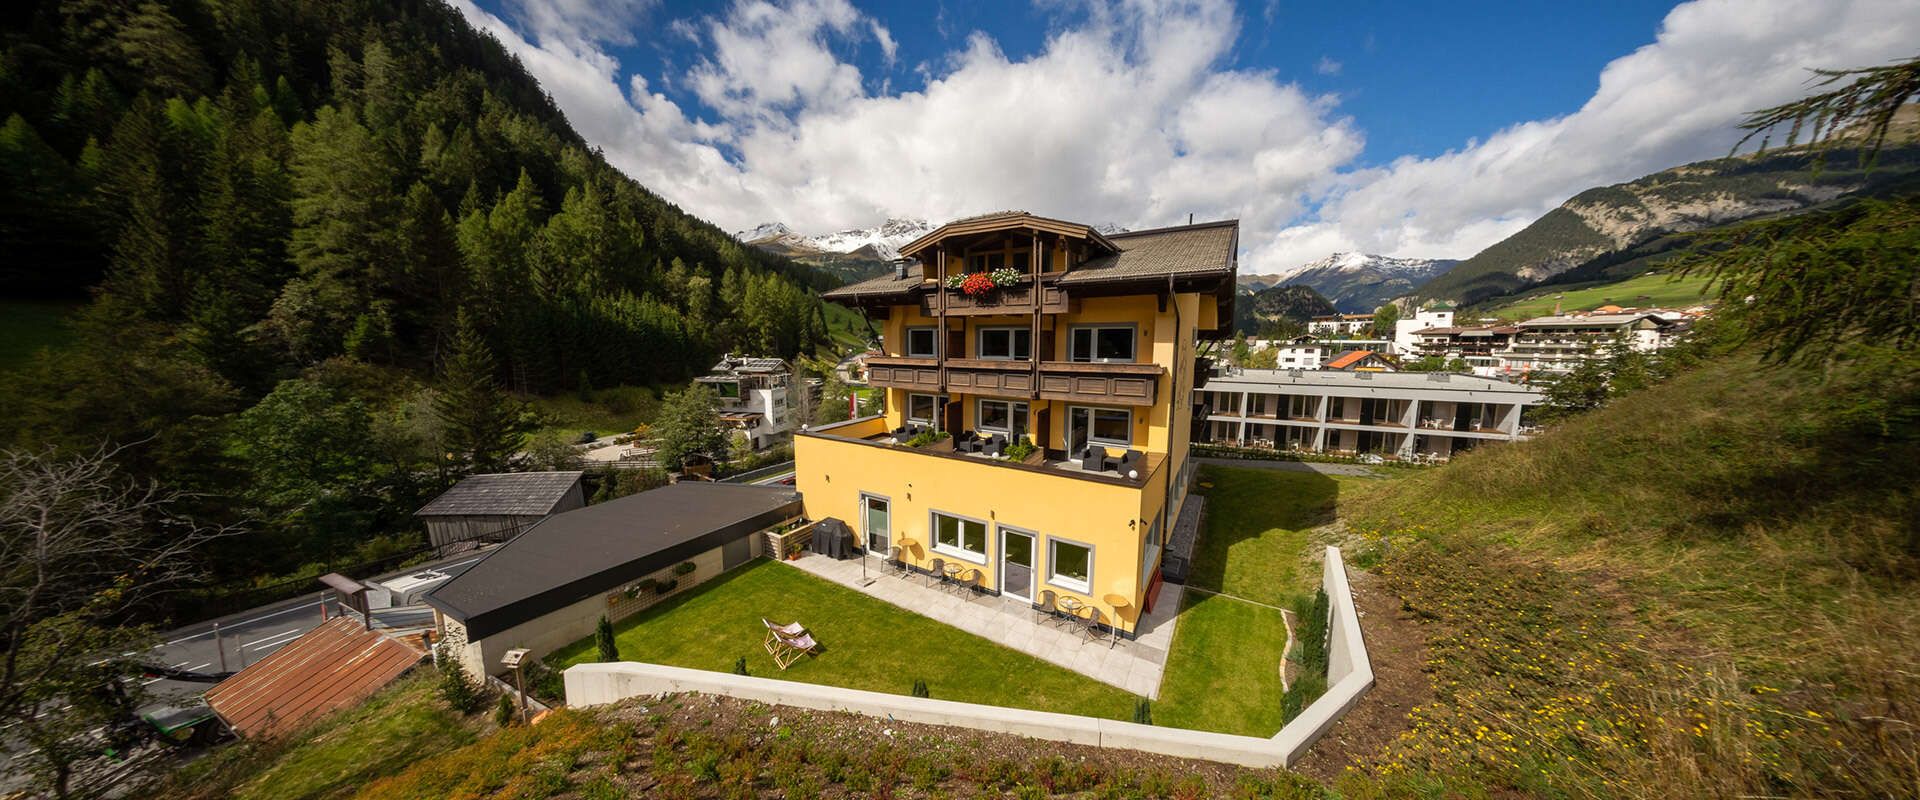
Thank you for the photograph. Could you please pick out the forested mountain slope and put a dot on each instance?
(320, 237)
(285, 181)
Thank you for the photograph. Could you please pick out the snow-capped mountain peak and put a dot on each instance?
(884, 239)
(1364, 262)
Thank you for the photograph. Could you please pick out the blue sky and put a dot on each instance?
(1430, 129)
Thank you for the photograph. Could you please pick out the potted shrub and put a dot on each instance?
(666, 586)
(684, 568)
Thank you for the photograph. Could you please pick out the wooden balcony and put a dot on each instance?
(898, 372)
(1113, 384)
(990, 378)
(1019, 298)
(1108, 384)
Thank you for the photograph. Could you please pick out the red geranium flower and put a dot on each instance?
(976, 284)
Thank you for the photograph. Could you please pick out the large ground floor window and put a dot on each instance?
(960, 536)
(1002, 416)
(1070, 565)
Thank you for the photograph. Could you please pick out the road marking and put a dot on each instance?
(277, 638)
(301, 607)
(198, 667)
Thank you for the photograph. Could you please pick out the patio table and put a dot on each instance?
(953, 571)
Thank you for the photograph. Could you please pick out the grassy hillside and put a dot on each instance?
(1652, 289)
(1707, 586)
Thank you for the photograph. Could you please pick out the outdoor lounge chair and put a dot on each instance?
(788, 649)
(776, 632)
(996, 445)
(1094, 458)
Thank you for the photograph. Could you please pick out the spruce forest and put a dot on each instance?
(325, 244)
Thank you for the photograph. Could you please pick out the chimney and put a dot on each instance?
(900, 269)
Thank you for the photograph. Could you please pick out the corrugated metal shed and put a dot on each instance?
(514, 494)
(333, 666)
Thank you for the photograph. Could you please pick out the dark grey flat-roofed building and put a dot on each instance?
(549, 585)
(495, 507)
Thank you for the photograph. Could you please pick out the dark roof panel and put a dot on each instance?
(510, 494)
(574, 555)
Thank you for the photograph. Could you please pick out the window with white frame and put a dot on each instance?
(1011, 344)
(1095, 343)
(922, 408)
(1070, 565)
(1112, 427)
(922, 343)
(1001, 416)
(960, 536)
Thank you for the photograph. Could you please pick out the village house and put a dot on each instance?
(1009, 330)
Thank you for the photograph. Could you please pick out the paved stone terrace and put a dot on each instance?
(1136, 666)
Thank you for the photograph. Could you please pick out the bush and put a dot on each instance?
(456, 688)
(920, 688)
(1143, 712)
(504, 712)
(740, 666)
(664, 587)
(684, 568)
(1019, 450)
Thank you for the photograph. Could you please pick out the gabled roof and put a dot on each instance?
(1207, 250)
(506, 494)
(749, 364)
(577, 554)
(333, 666)
(1590, 319)
(1006, 220)
(1350, 359)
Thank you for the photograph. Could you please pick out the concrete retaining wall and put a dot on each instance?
(1351, 675)
(1349, 670)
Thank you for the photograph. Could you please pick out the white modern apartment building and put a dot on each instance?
(1394, 414)
(753, 397)
(1340, 324)
(1550, 346)
(1308, 352)
(1406, 331)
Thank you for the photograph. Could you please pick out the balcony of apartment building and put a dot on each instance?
(1123, 468)
(1368, 412)
(1101, 367)
(1446, 417)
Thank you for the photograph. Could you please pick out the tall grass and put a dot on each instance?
(1706, 587)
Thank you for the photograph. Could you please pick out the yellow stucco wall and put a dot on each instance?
(832, 474)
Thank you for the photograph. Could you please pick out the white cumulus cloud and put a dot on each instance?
(1137, 114)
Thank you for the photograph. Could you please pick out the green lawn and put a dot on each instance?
(26, 326)
(865, 644)
(1224, 671)
(607, 412)
(1654, 289)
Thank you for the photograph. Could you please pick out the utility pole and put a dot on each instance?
(220, 646)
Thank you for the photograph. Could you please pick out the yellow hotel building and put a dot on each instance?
(1084, 346)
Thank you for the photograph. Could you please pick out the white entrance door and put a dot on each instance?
(876, 521)
(1016, 564)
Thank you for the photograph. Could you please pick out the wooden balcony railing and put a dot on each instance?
(1019, 298)
(1112, 384)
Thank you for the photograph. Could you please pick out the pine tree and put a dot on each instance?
(604, 641)
(482, 424)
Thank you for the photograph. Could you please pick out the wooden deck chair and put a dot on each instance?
(777, 632)
(791, 648)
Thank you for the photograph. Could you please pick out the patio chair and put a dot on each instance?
(996, 445)
(1091, 623)
(898, 561)
(1047, 610)
(1094, 458)
(777, 632)
(1132, 461)
(966, 581)
(937, 571)
(789, 649)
